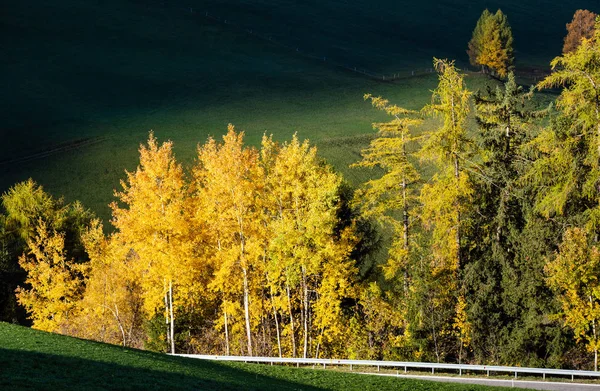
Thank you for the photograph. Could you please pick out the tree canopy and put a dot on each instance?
(491, 45)
(582, 26)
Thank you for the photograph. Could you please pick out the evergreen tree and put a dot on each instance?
(497, 217)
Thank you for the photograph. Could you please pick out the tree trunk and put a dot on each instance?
(226, 334)
(293, 335)
(167, 319)
(305, 311)
(276, 320)
(172, 317)
(247, 311)
(594, 334)
(457, 206)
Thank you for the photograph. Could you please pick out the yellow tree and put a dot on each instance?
(56, 283)
(447, 146)
(311, 259)
(152, 220)
(111, 309)
(574, 274)
(394, 191)
(491, 44)
(445, 196)
(225, 189)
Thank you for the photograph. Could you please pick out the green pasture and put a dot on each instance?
(32, 359)
(84, 82)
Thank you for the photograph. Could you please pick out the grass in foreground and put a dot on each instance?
(31, 359)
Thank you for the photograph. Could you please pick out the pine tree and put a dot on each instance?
(497, 217)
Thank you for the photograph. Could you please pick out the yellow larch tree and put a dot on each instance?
(55, 283)
(446, 194)
(574, 274)
(394, 192)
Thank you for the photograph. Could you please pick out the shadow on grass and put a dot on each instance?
(22, 370)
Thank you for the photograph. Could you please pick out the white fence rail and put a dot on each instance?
(403, 365)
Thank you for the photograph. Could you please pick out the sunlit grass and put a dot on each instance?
(31, 359)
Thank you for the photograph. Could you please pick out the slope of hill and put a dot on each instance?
(31, 359)
(84, 82)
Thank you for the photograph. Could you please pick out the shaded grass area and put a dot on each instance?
(32, 359)
(110, 71)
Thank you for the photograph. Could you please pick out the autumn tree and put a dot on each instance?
(568, 166)
(151, 220)
(444, 198)
(112, 306)
(225, 186)
(394, 192)
(309, 260)
(25, 205)
(491, 44)
(582, 26)
(573, 274)
(54, 283)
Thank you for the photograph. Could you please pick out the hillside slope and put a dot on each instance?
(31, 359)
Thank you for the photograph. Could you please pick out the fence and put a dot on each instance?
(403, 365)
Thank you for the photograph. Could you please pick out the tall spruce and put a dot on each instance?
(497, 217)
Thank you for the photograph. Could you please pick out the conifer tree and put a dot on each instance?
(444, 199)
(491, 44)
(582, 26)
(569, 165)
(497, 216)
(394, 191)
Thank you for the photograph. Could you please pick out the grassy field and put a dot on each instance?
(32, 359)
(84, 82)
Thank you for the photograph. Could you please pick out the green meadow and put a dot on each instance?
(84, 82)
(32, 359)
